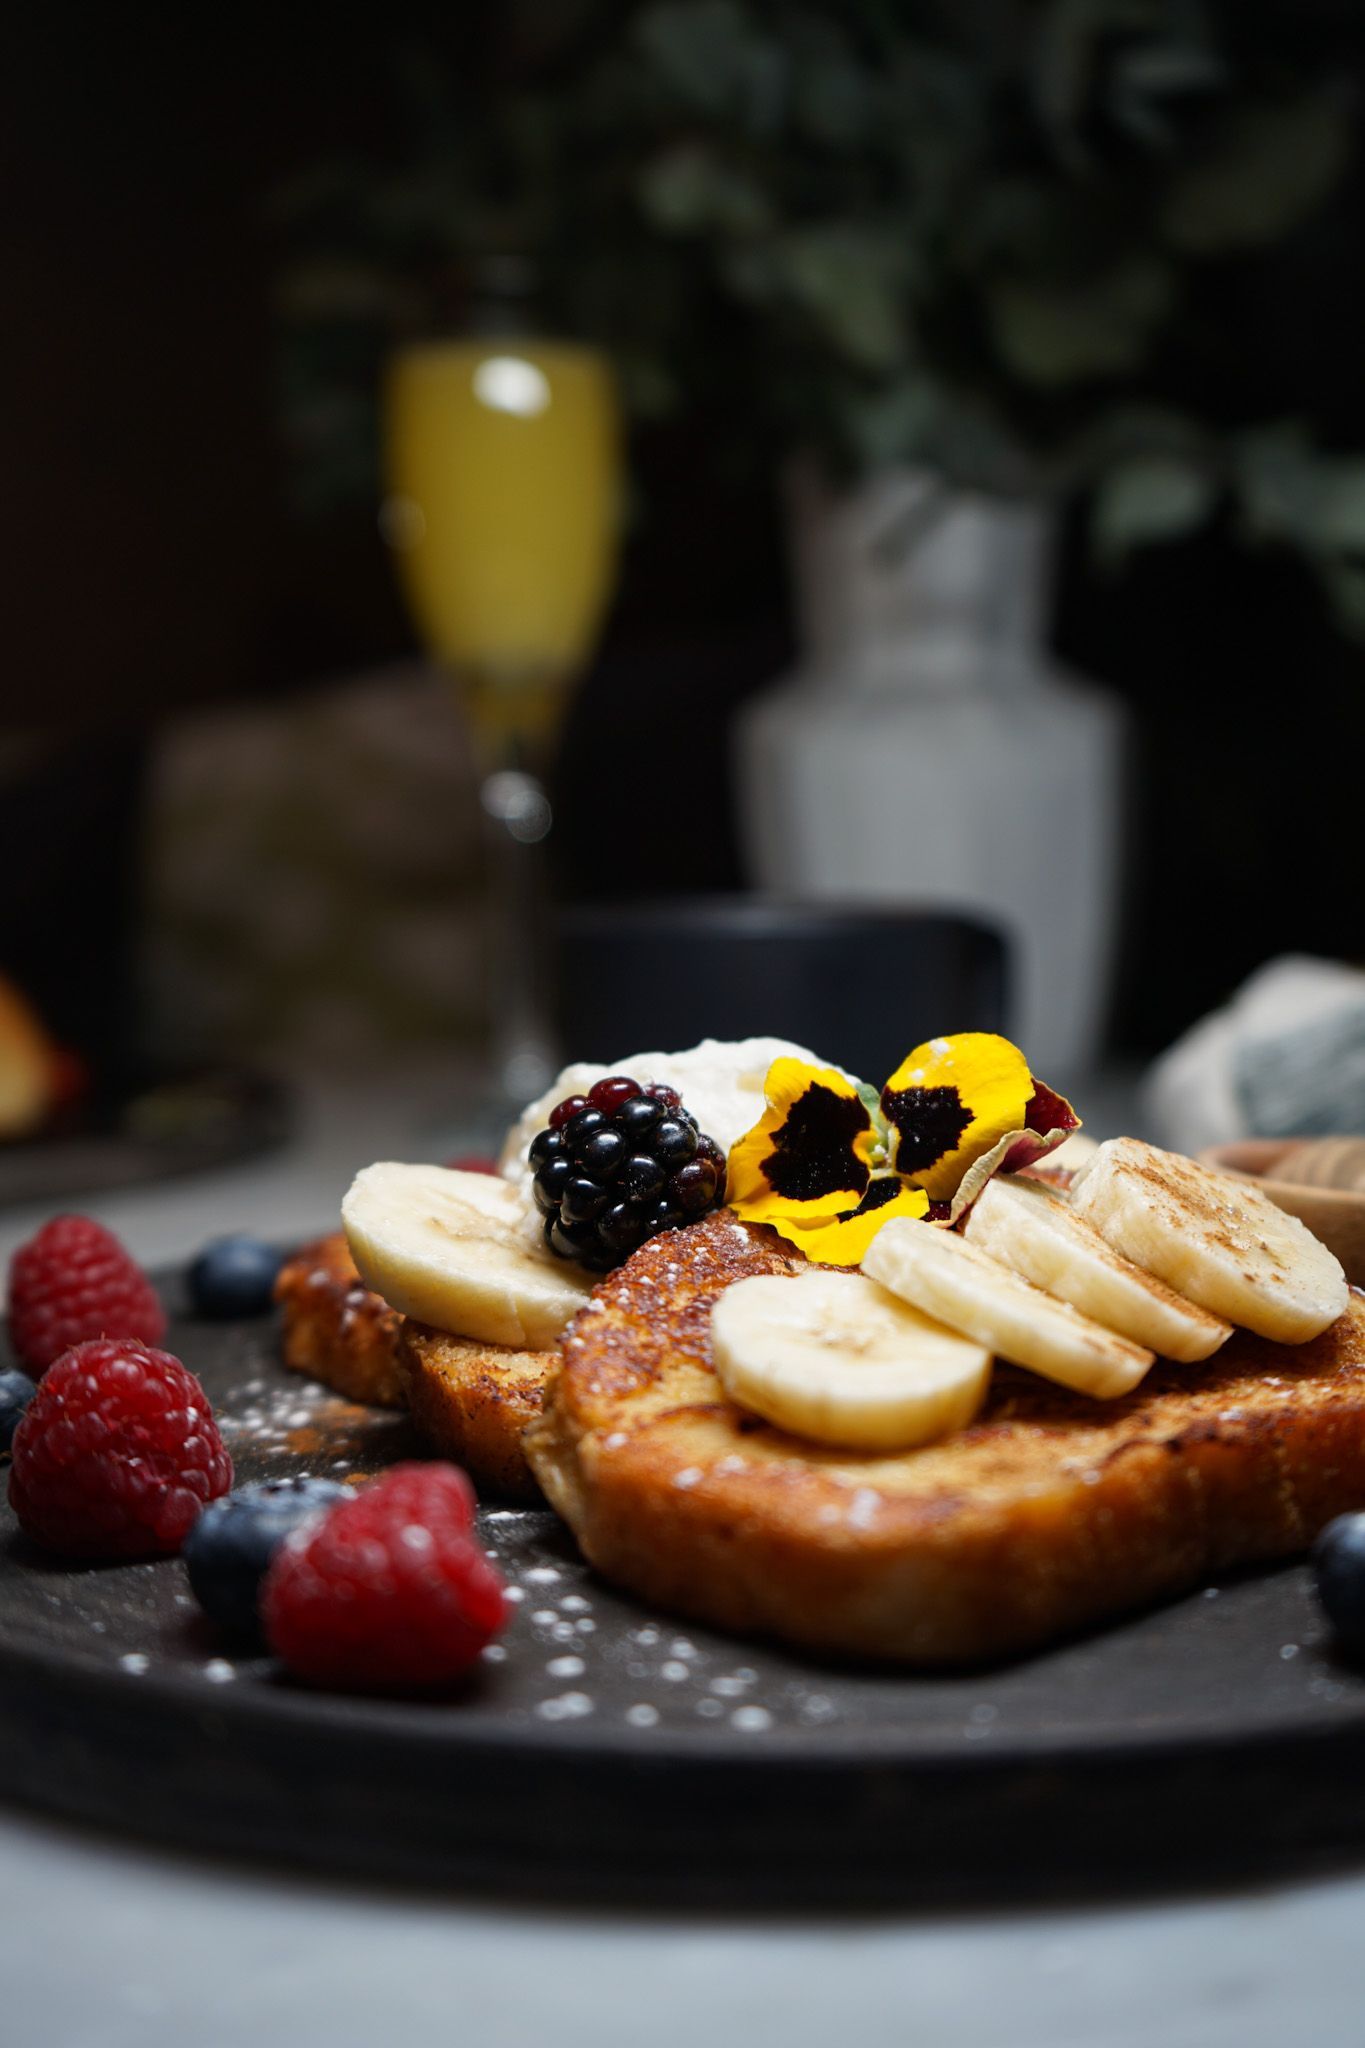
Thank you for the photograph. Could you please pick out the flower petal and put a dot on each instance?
(949, 1102)
(808, 1155)
(841, 1240)
(1049, 1123)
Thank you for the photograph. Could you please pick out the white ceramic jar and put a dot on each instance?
(928, 751)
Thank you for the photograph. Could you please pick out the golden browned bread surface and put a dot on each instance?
(1050, 1512)
(335, 1329)
(472, 1402)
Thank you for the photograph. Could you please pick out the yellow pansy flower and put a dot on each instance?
(827, 1164)
(810, 1154)
(950, 1101)
(841, 1240)
(807, 1166)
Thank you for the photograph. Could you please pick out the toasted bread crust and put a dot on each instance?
(472, 1402)
(335, 1329)
(1049, 1513)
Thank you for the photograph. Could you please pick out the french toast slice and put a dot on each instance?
(1049, 1513)
(335, 1329)
(472, 1401)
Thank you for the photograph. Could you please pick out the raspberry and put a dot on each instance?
(229, 1550)
(117, 1453)
(72, 1281)
(619, 1164)
(390, 1591)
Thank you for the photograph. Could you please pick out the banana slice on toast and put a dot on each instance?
(1037, 1234)
(1217, 1240)
(956, 1283)
(453, 1250)
(833, 1356)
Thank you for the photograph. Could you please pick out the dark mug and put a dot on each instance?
(859, 986)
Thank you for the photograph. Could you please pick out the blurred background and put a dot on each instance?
(901, 455)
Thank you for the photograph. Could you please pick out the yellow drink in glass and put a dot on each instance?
(503, 462)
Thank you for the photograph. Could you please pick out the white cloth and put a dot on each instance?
(1285, 1058)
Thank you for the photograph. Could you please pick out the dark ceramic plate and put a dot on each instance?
(605, 1751)
(151, 1128)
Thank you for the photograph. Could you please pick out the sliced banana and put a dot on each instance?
(452, 1249)
(1037, 1234)
(835, 1357)
(951, 1280)
(1219, 1241)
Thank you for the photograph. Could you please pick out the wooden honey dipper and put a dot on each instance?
(1323, 1163)
(1319, 1180)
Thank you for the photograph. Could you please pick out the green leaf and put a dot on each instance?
(1268, 168)
(871, 1100)
(973, 442)
(832, 91)
(706, 52)
(1293, 491)
(852, 284)
(916, 417)
(1150, 499)
(1150, 83)
(690, 190)
(1276, 472)
(890, 423)
(748, 269)
(1055, 334)
(1341, 512)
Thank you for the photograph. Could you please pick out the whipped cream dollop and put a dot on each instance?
(720, 1082)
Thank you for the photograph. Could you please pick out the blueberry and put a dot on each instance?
(16, 1391)
(234, 1276)
(230, 1547)
(1339, 1563)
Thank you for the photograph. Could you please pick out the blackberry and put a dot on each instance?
(618, 1165)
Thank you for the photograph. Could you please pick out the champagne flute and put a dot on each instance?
(503, 476)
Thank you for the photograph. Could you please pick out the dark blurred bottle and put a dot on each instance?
(69, 856)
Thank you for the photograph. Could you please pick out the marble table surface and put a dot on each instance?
(115, 1945)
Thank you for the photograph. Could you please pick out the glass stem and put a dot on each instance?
(517, 819)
